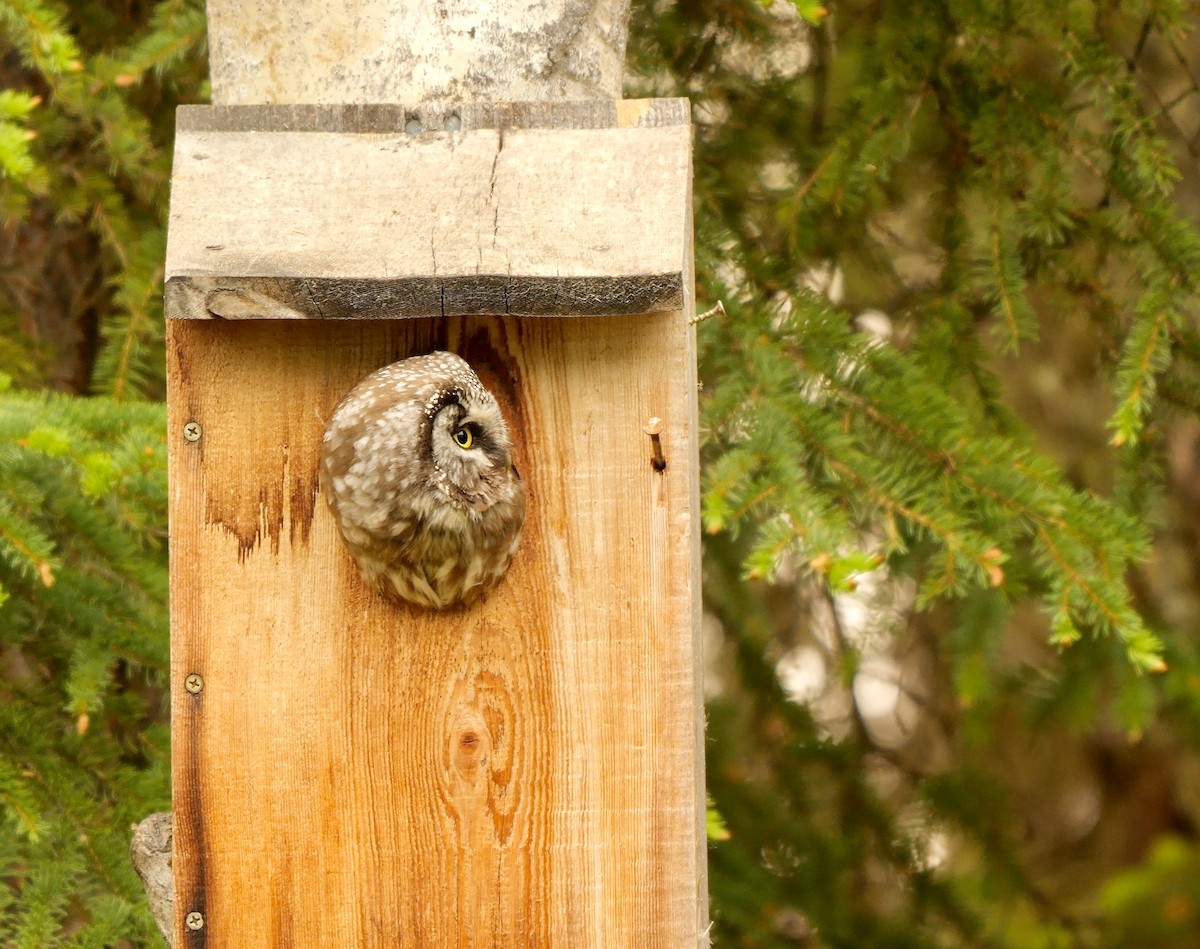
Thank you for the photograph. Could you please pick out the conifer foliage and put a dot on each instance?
(83, 654)
(86, 120)
(941, 415)
(86, 114)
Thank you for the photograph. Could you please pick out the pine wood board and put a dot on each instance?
(321, 212)
(354, 773)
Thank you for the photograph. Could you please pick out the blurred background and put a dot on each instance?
(951, 489)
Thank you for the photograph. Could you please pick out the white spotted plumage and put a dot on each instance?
(429, 520)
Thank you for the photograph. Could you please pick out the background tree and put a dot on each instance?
(86, 113)
(951, 460)
(958, 373)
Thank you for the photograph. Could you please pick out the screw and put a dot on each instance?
(192, 431)
(194, 683)
(653, 428)
(718, 310)
(194, 920)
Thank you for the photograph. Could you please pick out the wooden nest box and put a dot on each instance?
(347, 772)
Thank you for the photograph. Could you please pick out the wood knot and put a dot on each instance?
(471, 751)
(480, 742)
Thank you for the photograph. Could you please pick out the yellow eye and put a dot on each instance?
(463, 438)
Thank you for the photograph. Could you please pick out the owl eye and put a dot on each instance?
(464, 438)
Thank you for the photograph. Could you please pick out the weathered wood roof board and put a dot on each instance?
(334, 212)
(434, 116)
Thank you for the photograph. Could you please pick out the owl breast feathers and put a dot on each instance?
(416, 466)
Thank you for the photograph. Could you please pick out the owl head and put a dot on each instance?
(417, 468)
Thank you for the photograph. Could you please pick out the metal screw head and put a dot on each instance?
(194, 920)
(194, 683)
(192, 431)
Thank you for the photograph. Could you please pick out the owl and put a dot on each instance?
(416, 466)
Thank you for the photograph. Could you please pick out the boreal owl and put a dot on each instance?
(416, 465)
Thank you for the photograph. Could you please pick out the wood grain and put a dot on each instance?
(432, 116)
(289, 298)
(527, 772)
(527, 221)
